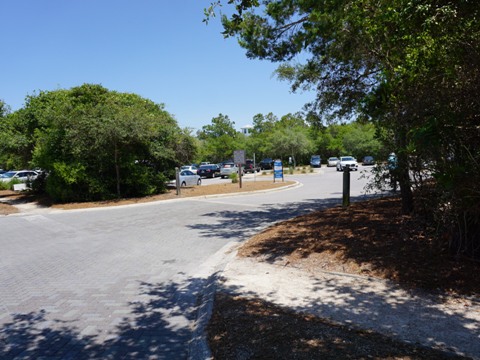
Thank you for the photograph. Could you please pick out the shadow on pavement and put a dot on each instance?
(159, 327)
(239, 225)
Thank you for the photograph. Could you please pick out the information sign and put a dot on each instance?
(239, 156)
(277, 170)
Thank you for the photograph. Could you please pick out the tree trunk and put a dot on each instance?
(403, 175)
(117, 171)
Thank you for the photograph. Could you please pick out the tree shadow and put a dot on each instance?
(158, 328)
(374, 239)
(242, 224)
(335, 320)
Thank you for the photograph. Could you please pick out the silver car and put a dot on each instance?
(227, 169)
(332, 161)
(19, 175)
(189, 178)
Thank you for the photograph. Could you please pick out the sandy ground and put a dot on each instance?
(13, 202)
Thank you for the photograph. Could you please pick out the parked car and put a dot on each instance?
(192, 168)
(189, 178)
(332, 161)
(368, 160)
(250, 167)
(227, 169)
(209, 171)
(266, 164)
(316, 161)
(19, 175)
(347, 161)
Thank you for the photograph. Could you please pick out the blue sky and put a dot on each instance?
(158, 49)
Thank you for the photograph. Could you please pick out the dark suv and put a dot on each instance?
(266, 164)
(250, 167)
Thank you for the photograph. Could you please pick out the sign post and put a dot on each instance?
(239, 159)
(177, 180)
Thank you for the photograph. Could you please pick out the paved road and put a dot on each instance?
(124, 282)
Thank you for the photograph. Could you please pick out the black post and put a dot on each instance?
(346, 186)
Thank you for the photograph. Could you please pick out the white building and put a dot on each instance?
(246, 130)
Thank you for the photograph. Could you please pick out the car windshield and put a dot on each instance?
(228, 165)
(333, 159)
(8, 175)
(347, 158)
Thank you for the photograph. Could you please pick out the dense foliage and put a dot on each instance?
(290, 136)
(96, 144)
(409, 67)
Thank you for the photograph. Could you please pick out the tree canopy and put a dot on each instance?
(97, 144)
(410, 67)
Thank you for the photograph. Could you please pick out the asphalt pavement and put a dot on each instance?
(137, 281)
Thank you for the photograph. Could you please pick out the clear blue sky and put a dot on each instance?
(158, 49)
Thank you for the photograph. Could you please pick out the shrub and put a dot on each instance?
(4, 185)
(234, 178)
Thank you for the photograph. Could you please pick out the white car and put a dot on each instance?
(187, 178)
(19, 175)
(332, 161)
(189, 167)
(227, 169)
(347, 161)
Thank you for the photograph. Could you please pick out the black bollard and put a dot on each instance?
(346, 186)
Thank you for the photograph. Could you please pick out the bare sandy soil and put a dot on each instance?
(370, 238)
(8, 199)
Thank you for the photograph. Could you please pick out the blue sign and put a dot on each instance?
(277, 170)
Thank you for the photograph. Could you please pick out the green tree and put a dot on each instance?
(360, 140)
(4, 109)
(220, 139)
(257, 143)
(186, 147)
(97, 144)
(290, 141)
(411, 67)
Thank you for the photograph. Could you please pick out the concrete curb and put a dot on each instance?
(198, 347)
(32, 208)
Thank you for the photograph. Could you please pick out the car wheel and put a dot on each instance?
(199, 182)
(183, 184)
